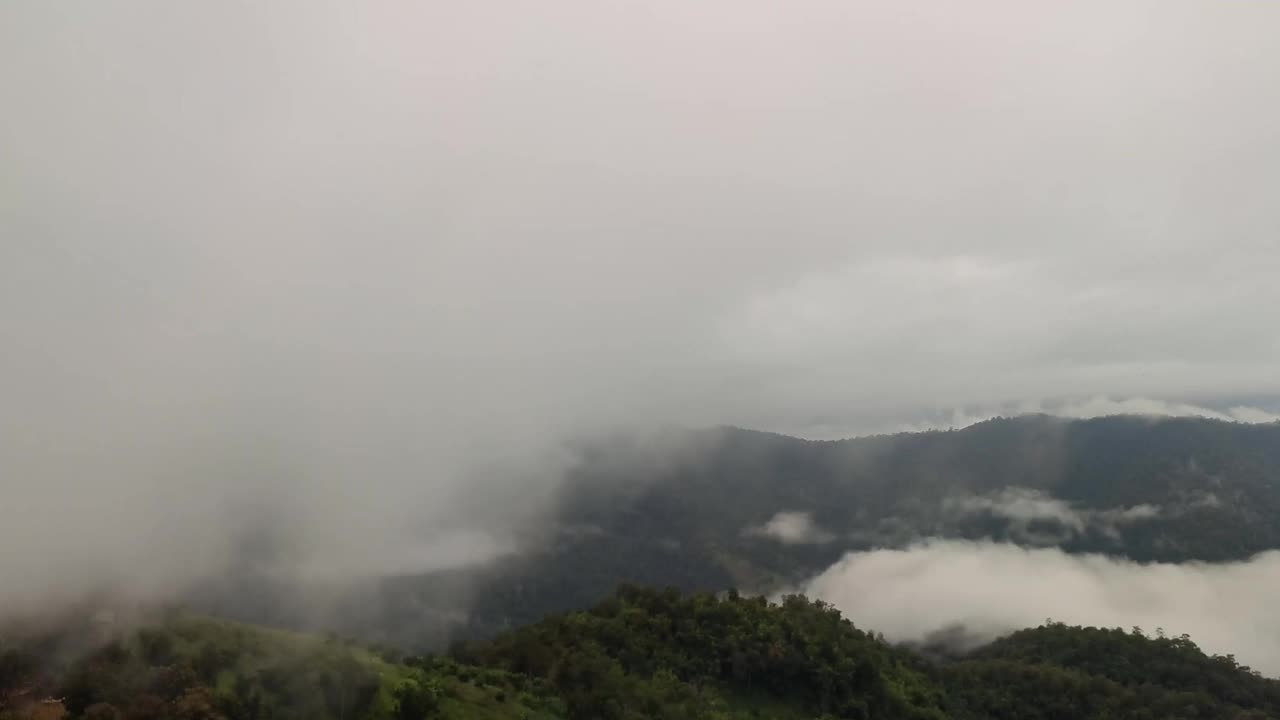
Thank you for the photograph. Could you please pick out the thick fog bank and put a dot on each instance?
(319, 288)
(991, 589)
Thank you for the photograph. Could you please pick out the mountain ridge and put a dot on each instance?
(692, 509)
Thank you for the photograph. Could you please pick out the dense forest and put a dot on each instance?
(640, 653)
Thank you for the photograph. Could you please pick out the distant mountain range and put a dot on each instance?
(726, 507)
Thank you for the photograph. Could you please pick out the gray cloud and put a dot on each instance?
(991, 589)
(359, 269)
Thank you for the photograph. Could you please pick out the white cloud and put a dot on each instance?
(1104, 406)
(992, 589)
(1077, 408)
(792, 528)
(1101, 406)
(1243, 413)
(1021, 504)
(1026, 509)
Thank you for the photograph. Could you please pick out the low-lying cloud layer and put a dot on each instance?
(992, 588)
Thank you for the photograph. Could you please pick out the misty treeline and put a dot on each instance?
(640, 653)
(692, 508)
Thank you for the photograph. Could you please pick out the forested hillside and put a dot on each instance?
(1055, 670)
(1210, 489)
(692, 509)
(641, 653)
(189, 667)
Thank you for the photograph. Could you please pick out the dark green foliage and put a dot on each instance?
(155, 646)
(1056, 671)
(645, 650)
(199, 668)
(652, 655)
(204, 669)
(659, 654)
(418, 698)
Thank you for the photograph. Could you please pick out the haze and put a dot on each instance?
(353, 271)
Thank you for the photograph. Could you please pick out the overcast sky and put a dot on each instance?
(357, 248)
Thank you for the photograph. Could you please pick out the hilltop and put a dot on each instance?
(641, 654)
